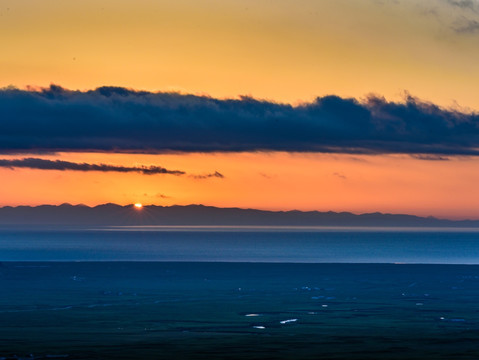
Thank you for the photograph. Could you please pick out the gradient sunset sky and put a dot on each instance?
(342, 105)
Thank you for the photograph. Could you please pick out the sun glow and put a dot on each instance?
(138, 206)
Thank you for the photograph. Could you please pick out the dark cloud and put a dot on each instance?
(466, 26)
(463, 4)
(216, 174)
(158, 195)
(42, 164)
(430, 157)
(466, 20)
(122, 120)
(267, 176)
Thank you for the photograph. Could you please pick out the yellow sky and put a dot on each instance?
(281, 50)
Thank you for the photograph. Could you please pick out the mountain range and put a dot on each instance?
(117, 215)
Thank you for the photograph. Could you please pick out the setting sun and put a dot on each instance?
(138, 205)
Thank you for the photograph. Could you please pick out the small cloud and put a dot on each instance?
(267, 176)
(466, 26)
(430, 157)
(463, 4)
(340, 175)
(216, 174)
(158, 195)
(357, 159)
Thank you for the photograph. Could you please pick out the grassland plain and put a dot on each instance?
(184, 310)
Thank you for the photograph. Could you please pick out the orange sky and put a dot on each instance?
(393, 183)
(285, 50)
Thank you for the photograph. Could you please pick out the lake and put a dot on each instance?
(242, 244)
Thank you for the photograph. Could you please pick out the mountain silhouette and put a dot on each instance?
(117, 215)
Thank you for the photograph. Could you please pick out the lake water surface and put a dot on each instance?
(242, 244)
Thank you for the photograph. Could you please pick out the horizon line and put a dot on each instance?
(132, 205)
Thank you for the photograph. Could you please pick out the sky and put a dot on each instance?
(358, 105)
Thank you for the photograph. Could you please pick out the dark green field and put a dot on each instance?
(199, 311)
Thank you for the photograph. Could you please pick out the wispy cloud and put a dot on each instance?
(44, 164)
(466, 26)
(122, 120)
(459, 16)
(216, 174)
(463, 15)
(430, 157)
(463, 4)
(340, 175)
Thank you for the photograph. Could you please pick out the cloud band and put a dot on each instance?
(121, 120)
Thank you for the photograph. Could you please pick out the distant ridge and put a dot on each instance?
(113, 214)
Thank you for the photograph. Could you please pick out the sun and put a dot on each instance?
(138, 206)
